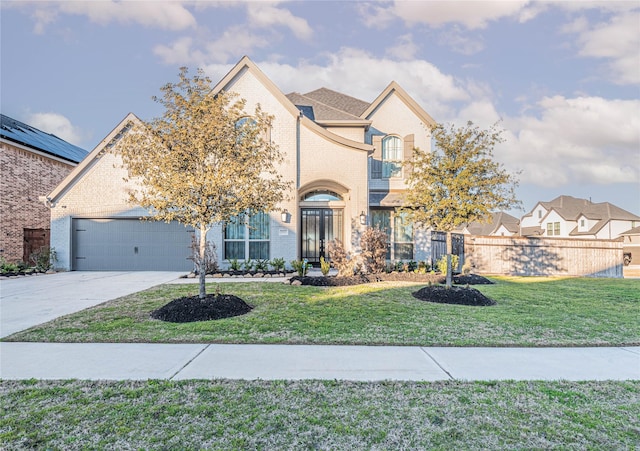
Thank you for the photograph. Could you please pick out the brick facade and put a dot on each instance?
(25, 176)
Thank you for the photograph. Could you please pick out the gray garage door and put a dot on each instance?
(130, 245)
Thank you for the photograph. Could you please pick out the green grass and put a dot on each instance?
(224, 414)
(530, 312)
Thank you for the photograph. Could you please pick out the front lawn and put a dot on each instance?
(530, 312)
(223, 414)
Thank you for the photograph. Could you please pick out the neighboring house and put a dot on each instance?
(343, 156)
(501, 224)
(570, 217)
(32, 163)
(631, 246)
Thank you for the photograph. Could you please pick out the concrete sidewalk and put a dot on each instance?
(123, 361)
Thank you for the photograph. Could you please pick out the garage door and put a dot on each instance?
(130, 245)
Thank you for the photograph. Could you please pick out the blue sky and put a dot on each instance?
(562, 77)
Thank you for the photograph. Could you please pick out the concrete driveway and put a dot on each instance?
(28, 301)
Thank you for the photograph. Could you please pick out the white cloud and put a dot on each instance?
(56, 124)
(575, 140)
(363, 76)
(618, 41)
(404, 50)
(266, 15)
(470, 14)
(163, 15)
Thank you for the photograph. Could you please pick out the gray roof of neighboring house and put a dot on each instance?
(339, 101)
(318, 111)
(21, 133)
(571, 208)
(498, 219)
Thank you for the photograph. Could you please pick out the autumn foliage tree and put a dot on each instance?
(204, 161)
(458, 182)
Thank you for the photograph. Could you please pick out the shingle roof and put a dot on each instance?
(511, 223)
(339, 101)
(318, 111)
(571, 208)
(29, 136)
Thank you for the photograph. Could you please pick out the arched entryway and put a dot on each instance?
(322, 215)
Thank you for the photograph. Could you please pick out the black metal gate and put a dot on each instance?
(439, 247)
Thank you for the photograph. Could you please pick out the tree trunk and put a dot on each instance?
(449, 252)
(201, 263)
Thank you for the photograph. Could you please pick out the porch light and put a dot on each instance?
(284, 215)
(363, 218)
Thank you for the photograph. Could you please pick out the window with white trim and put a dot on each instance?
(553, 228)
(247, 237)
(392, 150)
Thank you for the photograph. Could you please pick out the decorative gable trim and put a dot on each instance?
(104, 146)
(395, 88)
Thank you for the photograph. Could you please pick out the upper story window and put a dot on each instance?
(553, 228)
(392, 151)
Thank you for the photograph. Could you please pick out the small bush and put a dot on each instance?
(278, 264)
(301, 267)
(373, 242)
(324, 266)
(248, 265)
(234, 264)
(340, 259)
(262, 265)
(442, 263)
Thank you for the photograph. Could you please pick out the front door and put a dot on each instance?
(319, 227)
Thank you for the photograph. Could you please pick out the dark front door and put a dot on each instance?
(319, 227)
(34, 241)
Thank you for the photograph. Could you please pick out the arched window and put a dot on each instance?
(321, 196)
(392, 157)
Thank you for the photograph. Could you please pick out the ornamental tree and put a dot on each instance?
(204, 161)
(458, 182)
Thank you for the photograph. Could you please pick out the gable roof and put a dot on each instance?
(571, 208)
(338, 101)
(245, 64)
(395, 89)
(86, 164)
(26, 135)
(498, 219)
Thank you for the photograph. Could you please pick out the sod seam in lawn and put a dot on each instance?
(530, 312)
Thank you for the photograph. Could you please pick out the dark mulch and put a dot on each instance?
(188, 309)
(335, 281)
(453, 295)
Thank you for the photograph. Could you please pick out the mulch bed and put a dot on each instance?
(335, 281)
(453, 295)
(189, 309)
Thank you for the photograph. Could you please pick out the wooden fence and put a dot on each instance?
(544, 256)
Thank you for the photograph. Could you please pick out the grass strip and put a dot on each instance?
(224, 414)
(530, 312)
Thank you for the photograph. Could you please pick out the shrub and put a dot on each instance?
(210, 264)
(248, 265)
(324, 266)
(302, 267)
(278, 264)
(234, 264)
(373, 242)
(340, 259)
(262, 265)
(442, 263)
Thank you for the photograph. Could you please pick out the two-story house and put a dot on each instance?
(570, 217)
(344, 157)
(32, 163)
